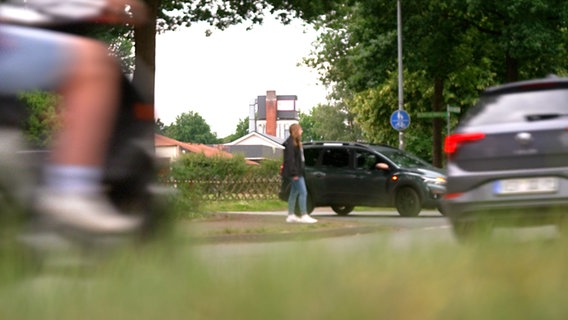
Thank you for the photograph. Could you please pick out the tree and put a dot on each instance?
(42, 118)
(374, 106)
(357, 57)
(527, 37)
(171, 14)
(191, 127)
(452, 50)
(307, 124)
(333, 123)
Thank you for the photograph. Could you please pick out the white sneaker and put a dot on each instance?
(91, 213)
(292, 218)
(307, 219)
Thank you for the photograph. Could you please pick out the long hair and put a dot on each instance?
(295, 134)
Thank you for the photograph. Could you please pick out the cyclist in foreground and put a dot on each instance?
(87, 78)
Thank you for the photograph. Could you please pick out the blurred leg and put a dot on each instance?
(90, 93)
(88, 80)
(90, 100)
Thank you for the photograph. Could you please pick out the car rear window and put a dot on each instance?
(518, 107)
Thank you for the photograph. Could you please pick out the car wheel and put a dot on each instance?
(342, 210)
(309, 206)
(407, 202)
(471, 231)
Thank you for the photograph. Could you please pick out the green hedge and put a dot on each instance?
(197, 166)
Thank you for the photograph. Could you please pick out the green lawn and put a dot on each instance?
(264, 205)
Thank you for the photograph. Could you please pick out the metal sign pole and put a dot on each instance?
(448, 121)
(400, 92)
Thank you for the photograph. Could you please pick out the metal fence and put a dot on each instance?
(232, 188)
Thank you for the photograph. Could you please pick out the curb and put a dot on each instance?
(286, 236)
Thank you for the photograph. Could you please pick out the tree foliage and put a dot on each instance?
(327, 122)
(222, 14)
(306, 121)
(42, 118)
(373, 108)
(191, 127)
(172, 14)
(452, 49)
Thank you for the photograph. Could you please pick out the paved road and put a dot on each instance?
(427, 229)
(428, 219)
(430, 228)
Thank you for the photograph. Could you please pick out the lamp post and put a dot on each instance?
(400, 91)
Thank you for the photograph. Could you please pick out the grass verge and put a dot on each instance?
(304, 280)
(245, 205)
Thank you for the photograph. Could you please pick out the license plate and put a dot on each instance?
(526, 186)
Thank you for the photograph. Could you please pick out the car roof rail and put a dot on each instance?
(338, 143)
(334, 143)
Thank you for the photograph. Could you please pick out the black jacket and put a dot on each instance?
(293, 159)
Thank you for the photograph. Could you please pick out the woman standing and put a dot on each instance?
(293, 169)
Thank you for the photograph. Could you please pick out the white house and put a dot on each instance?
(269, 127)
(257, 146)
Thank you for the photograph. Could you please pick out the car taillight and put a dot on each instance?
(449, 196)
(453, 141)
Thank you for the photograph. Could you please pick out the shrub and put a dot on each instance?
(197, 166)
(186, 203)
(267, 168)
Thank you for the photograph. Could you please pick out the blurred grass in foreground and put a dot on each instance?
(302, 280)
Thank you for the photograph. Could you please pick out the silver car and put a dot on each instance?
(508, 159)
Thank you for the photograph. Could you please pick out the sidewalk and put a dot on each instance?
(254, 227)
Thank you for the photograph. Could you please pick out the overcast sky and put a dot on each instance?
(221, 75)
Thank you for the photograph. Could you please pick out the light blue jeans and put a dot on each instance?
(298, 191)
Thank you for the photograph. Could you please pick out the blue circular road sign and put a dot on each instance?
(400, 120)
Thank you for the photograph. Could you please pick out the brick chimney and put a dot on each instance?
(271, 110)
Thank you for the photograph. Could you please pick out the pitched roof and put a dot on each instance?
(270, 139)
(163, 141)
(273, 138)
